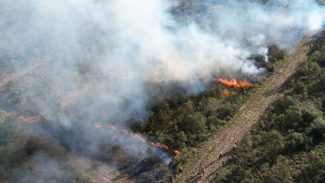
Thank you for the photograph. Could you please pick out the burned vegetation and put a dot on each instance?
(88, 94)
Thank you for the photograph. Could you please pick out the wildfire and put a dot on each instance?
(177, 152)
(226, 92)
(37, 118)
(138, 137)
(14, 76)
(31, 119)
(234, 83)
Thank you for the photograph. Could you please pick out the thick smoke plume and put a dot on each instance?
(103, 53)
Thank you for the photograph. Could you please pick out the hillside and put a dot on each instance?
(207, 155)
(145, 91)
(287, 142)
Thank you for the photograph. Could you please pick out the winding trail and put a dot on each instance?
(207, 155)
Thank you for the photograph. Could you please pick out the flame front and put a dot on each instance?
(139, 138)
(234, 83)
(37, 118)
(226, 92)
(176, 152)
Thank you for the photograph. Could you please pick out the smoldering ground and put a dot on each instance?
(120, 46)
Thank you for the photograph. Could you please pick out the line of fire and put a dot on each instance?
(227, 83)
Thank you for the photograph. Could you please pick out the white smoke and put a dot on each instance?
(129, 42)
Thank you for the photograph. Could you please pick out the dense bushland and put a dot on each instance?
(288, 142)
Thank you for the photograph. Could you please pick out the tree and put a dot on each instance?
(209, 106)
(194, 123)
(278, 173)
(272, 143)
(317, 130)
(315, 170)
(226, 111)
(295, 141)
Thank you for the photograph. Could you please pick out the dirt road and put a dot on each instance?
(207, 154)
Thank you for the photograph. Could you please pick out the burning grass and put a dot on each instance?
(37, 118)
(138, 137)
(234, 83)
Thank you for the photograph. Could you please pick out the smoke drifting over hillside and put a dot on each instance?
(120, 45)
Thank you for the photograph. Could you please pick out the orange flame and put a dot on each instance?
(138, 137)
(37, 118)
(176, 152)
(234, 83)
(226, 92)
